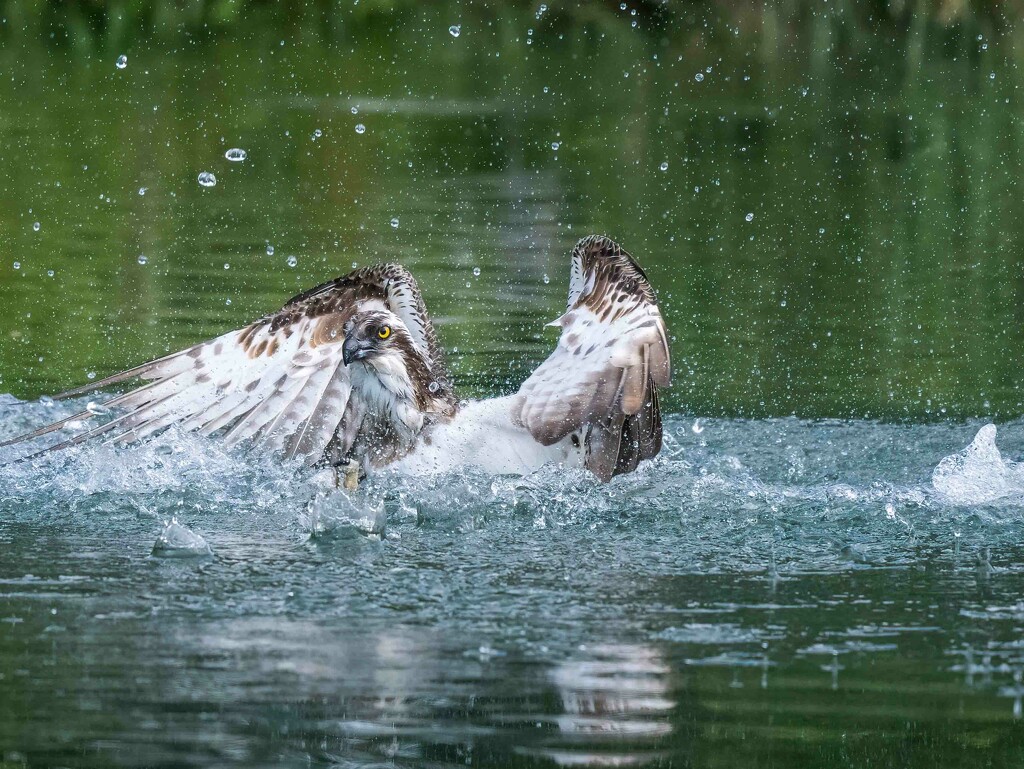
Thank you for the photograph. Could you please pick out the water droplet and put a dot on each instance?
(455, 30)
(236, 155)
(96, 409)
(360, 128)
(35, 226)
(91, 375)
(355, 110)
(476, 272)
(664, 165)
(697, 428)
(546, 278)
(142, 190)
(49, 273)
(270, 250)
(17, 265)
(227, 266)
(394, 222)
(699, 77)
(122, 61)
(292, 260)
(317, 134)
(206, 179)
(142, 259)
(749, 217)
(555, 145)
(433, 387)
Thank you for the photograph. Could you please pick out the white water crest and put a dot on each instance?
(978, 474)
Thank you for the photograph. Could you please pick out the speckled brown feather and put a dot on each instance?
(280, 381)
(602, 380)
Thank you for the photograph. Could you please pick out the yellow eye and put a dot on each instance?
(384, 332)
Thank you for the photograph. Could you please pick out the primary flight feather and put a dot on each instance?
(353, 370)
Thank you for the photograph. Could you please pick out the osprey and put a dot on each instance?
(353, 370)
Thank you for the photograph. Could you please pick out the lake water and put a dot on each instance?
(832, 219)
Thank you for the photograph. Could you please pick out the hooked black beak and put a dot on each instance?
(352, 349)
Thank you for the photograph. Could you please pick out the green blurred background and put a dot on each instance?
(826, 195)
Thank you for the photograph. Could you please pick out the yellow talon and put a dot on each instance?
(351, 471)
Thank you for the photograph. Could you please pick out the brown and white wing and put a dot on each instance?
(602, 380)
(280, 382)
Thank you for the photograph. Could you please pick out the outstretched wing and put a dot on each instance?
(602, 380)
(279, 382)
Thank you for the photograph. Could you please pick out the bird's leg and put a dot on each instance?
(346, 469)
(350, 472)
(346, 474)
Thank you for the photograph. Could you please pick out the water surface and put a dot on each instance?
(774, 592)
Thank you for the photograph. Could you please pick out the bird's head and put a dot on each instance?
(383, 343)
(374, 334)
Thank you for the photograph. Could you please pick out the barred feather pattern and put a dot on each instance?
(279, 383)
(601, 382)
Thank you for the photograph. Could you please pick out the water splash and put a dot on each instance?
(978, 474)
(179, 541)
(738, 494)
(335, 511)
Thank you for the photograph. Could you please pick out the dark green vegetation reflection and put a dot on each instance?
(828, 203)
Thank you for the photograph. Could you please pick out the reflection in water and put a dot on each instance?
(616, 702)
(407, 695)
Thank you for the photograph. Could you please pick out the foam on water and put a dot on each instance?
(172, 466)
